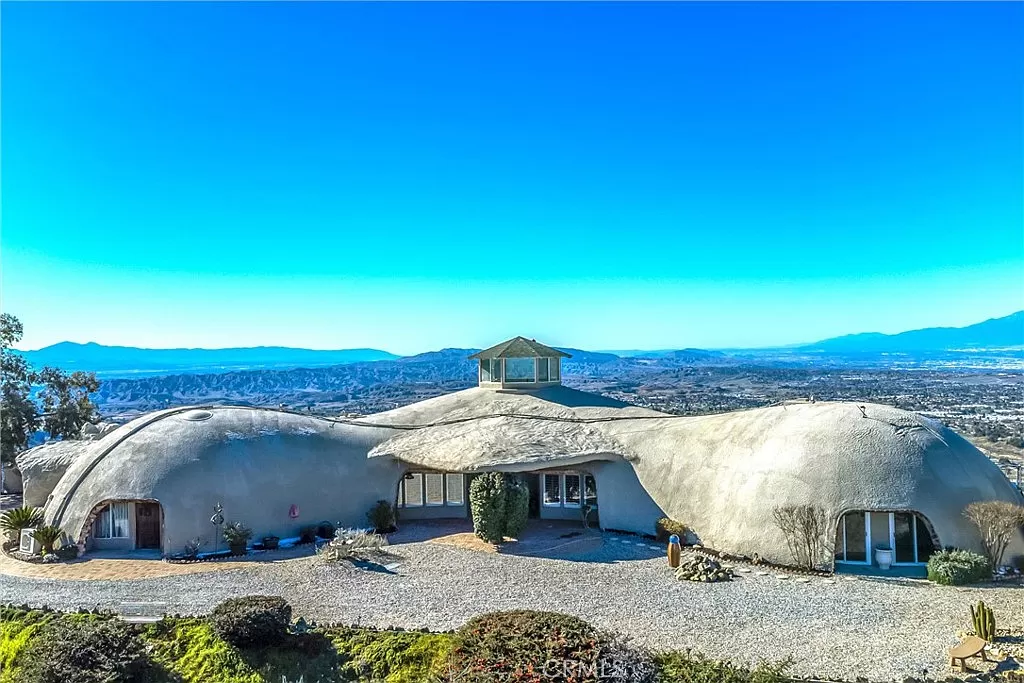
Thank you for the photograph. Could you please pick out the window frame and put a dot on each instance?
(869, 547)
(104, 527)
(446, 489)
(561, 490)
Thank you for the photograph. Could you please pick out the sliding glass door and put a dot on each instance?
(906, 533)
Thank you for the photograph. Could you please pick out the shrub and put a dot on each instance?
(236, 533)
(534, 647)
(998, 522)
(382, 517)
(252, 621)
(48, 537)
(391, 656)
(307, 534)
(350, 543)
(487, 504)
(957, 567)
(191, 550)
(807, 532)
(325, 530)
(84, 651)
(13, 521)
(686, 667)
(517, 506)
(666, 527)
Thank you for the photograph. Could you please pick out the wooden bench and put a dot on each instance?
(971, 647)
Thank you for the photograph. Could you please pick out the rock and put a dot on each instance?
(702, 569)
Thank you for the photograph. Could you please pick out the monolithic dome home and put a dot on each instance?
(886, 476)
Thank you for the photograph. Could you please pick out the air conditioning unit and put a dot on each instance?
(28, 544)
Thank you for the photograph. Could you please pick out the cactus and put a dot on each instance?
(984, 621)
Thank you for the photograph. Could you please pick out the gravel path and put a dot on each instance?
(881, 629)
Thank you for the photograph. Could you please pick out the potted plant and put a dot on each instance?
(307, 534)
(883, 557)
(237, 535)
(382, 518)
(270, 542)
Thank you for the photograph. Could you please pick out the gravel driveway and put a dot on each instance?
(881, 629)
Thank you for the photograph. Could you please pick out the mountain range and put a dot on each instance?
(122, 361)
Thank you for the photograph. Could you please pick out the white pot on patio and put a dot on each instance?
(883, 558)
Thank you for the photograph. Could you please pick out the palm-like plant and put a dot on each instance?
(13, 521)
(48, 536)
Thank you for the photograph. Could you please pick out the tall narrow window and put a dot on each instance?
(435, 489)
(856, 537)
(590, 490)
(555, 370)
(572, 490)
(903, 537)
(542, 369)
(925, 544)
(455, 484)
(552, 489)
(485, 369)
(412, 487)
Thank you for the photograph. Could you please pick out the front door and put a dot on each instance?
(147, 525)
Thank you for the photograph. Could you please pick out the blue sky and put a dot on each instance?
(410, 176)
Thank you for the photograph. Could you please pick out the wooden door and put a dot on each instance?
(147, 525)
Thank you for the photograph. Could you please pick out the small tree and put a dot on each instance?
(66, 403)
(487, 503)
(807, 533)
(999, 522)
(18, 414)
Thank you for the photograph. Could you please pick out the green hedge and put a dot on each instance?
(391, 656)
(686, 667)
(487, 504)
(86, 650)
(252, 621)
(958, 567)
(517, 506)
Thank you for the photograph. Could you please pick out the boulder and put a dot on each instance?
(703, 569)
(43, 466)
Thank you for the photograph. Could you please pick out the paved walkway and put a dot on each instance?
(127, 566)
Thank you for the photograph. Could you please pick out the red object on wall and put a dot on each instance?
(293, 511)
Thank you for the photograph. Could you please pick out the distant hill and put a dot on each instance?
(990, 334)
(129, 361)
(676, 354)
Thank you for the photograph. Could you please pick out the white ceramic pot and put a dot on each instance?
(883, 558)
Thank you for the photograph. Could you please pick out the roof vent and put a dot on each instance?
(197, 415)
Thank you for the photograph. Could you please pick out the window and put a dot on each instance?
(431, 489)
(520, 370)
(572, 490)
(589, 490)
(112, 522)
(456, 485)
(435, 489)
(908, 536)
(552, 489)
(554, 367)
(412, 490)
(485, 369)
(542, 369)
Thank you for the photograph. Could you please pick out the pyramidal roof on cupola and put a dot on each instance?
(520, 347)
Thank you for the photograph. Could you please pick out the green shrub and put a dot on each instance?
(686, 667)
(391, 656)
(382, 517)
(48, 537)
(236, 533)
(517, 645)
(252, 621)
(666, 527)
(17, 628)
(307, 533)
(957, 567)
(13, 521)
(517, 506)
(85, 651)
(487, 503)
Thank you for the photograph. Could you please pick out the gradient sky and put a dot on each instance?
(411, 176)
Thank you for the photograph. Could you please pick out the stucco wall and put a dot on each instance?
(256, 464)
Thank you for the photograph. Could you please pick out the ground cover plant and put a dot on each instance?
(39, 646)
